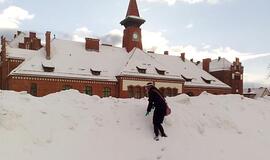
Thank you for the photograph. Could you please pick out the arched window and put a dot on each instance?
(162, 90)
(106, 92)
(137, 92)
(168, 92)
(143, 92)
(130, 91)
(174, 92)
(33, 89)
(88, 90)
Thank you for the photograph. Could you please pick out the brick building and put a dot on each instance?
(227, 72)
(100, 69)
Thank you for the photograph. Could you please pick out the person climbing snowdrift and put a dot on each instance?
(157, 102)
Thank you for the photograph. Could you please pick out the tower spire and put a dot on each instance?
(132, 22)
(133, 9)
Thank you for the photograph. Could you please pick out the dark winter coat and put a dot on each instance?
(158, 103)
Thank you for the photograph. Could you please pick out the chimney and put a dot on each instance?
(166, 52)
(32, 35)
(48, 45)
(237, 60)
(206, 63)
(183, 57)
(92, 44)
(3, 48)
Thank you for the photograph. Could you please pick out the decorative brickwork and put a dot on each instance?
(31, 42)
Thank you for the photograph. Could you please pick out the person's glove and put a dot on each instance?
(146, 114)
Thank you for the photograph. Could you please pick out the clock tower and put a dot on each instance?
(132, 33)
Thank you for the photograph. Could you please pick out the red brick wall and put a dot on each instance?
(4, 74)
(6, 68)
(128, 42)
(48, 86)
(195, 91)
(226, 77)
(223, 76)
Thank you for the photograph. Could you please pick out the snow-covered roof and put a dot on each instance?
(19, 53)
(189, 70)
(143, 60)
(135, 17)
(218, 65)
(18, 39)
(13, 50)
(70, 60)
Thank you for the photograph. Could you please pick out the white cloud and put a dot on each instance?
(172, 2)
(154, 41)
(80, 33)
(114, 37)
(257, 80)
(189, 26)
(12, 16)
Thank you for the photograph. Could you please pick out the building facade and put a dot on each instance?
(100, 69)
(227, 72)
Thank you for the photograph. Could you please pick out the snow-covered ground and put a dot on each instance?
(73, 126)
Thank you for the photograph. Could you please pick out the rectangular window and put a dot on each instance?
(237, 77)
(106, 92)
(88, 90)
(33, 89)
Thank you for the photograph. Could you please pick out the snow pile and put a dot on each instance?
(69, 125)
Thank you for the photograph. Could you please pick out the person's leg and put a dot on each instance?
(161, 130)
(156, 128)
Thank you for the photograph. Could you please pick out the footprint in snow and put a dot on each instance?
(159, 157)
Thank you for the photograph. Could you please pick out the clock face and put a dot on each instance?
(135, 36)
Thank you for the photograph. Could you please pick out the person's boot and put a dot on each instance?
(156, 138)
(164, 135)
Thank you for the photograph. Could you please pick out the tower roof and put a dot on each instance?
(133, 9)
(133, 15)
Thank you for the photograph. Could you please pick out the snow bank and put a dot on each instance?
(69, 125)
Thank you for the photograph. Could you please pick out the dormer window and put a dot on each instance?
(206, 80)
(186, 79)
(95, 72)
(160, 71)
(48, 66)
(141, 69)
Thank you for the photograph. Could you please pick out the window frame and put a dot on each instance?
(107, 91)
(33, 89)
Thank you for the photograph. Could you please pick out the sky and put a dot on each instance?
(200, 28)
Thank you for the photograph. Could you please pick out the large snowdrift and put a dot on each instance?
(73, 126)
